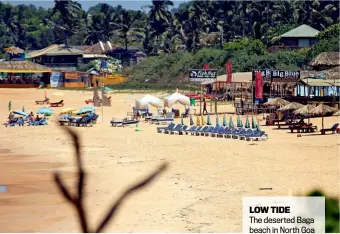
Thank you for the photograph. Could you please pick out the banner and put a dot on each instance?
(206, 66)
(56, 80)
(71, 75)
(202, 75)
(258, 85)
(229, 72)
(278, 75)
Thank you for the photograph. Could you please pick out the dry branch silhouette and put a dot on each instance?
(77, 201)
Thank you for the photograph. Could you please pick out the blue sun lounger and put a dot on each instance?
(208, 131)
(193, 132)
(163, 129)
(187, 131)
(216, 131)
(176, 128)
(240, 131)
(198, 132)
(174, 131)
(248, 132)
(261, 135)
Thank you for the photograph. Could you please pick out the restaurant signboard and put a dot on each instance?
(200, 75)
(277, 75)
(71, 75)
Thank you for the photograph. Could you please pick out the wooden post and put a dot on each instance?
(201, 111)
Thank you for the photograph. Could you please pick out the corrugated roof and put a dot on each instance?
(330, 74)
(302, 31)
(55, 50)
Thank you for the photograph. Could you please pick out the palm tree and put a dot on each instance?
(124, 25)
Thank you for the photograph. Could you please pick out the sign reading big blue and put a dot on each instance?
(56, 80)
(278, 75)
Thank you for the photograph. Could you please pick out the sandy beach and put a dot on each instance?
(201, 191)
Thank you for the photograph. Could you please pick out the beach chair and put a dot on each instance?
(193, 132)
(260, 135)
(163, 129)
(176, 128)
(239, 132)
(332, 129)
(210, 130)
(63, 122)
(199, 131)
(57, 104)
(231, 133)
(174, 131)
(187, 131)
(247, 133)
(94, 118)
(45, 101)
(222, 132)
(167, 119)
(216, 131)
(129, 123)
(181, 132)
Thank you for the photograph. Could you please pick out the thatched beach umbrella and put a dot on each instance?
(208, 120)
(191, 121)
(247, 124)
(217, 121)
(277, 102)
(231, 123)
(305, 110)
(322, 110)
(291, 106)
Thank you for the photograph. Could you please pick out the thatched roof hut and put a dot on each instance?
(23, 67)
(100, 48)
(326, 59)
(329, 74)
(14, 50)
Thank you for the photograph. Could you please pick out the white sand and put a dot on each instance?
(200, 192)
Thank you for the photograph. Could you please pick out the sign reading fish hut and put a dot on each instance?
(201, 75)
(278, 75)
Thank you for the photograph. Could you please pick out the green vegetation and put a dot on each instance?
(178, 39)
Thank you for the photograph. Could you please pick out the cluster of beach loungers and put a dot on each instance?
(167, 119)
(25, 120)
(214, 131)
(79, 121)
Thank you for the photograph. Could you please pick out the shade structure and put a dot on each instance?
(198, 122)
(148, 100)
(67, 111)
(45, 111)
(86, 109)
(247, 124)
(19, 112)
(291, 106)
(217, 121)
(253, 124)
(191, 121)
(57, 94)
(277, 102)
(225, 120)
(176, 98)
(239, 122)
(322, 110)
(231, 123)
(208, 120)
(305, 110)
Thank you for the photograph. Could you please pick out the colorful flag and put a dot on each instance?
(258, 85)
(229, 72)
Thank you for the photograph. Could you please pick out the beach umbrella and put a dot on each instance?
(19, 112)
(217, 121)
(322, 110)
(247, 124)
(277, 102)
(182, 121)
(191, 121)
(208, 120)
(225, 120)
(253, 124)
(67, 111)
(198, 122)
(231, 123)
(305, 110)
(258, 125)
(239, 122)
(45, 111)
(86, 109)
(23, 108)
(291, 106)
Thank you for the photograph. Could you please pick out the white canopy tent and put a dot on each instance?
(174, 98)
(148, 100)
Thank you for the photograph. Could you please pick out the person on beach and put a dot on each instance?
(204, 106)
(10, 106)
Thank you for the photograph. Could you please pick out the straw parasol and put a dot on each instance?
(305, 110)
(322, 110)
(277, 102)
(291, 106)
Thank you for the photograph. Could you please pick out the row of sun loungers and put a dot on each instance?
(169, 118)
(220, 132)
(85, 121)
(52, 104)
(21, 122)
(123, 123)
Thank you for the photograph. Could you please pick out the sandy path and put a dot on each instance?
(200, 192)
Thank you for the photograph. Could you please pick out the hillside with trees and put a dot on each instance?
(177, 39)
